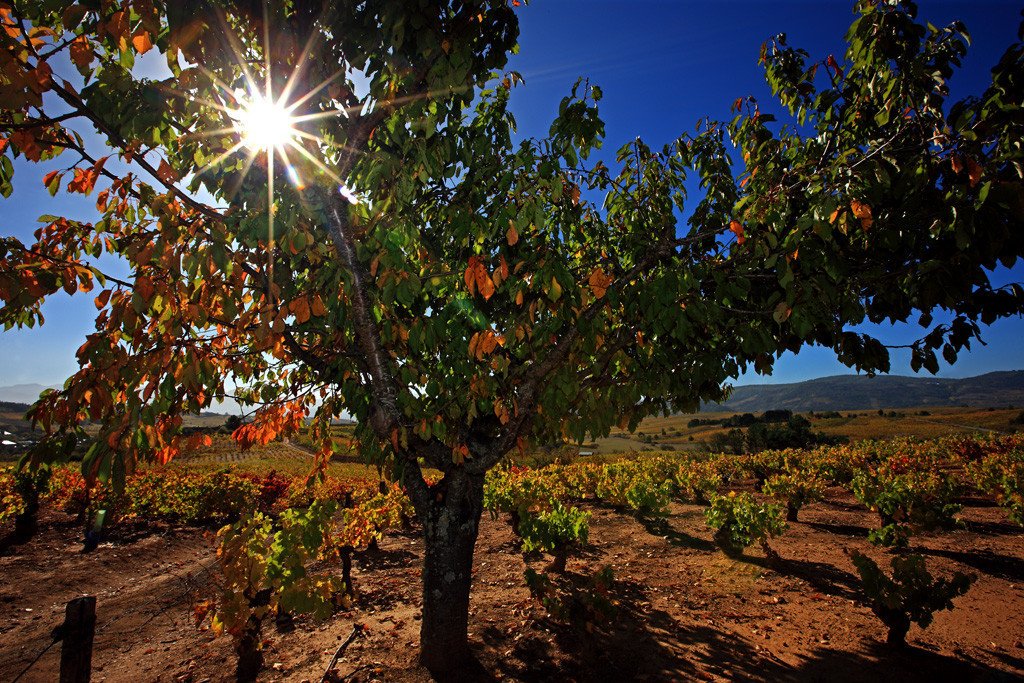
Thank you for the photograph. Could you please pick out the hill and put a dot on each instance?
(859, 392)
(23, 393)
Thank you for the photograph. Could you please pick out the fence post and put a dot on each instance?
(77, 632)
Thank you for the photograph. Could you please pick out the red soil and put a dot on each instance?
(686, 612)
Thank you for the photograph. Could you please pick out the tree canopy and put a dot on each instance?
(396, 256)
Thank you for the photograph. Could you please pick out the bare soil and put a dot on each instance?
(686, 612)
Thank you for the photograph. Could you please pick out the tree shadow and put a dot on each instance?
(472, 672)
(878, 661)
(14, 538)
(650, 645)
(659, 526)
(839, 529)
(843, 505)
(825, 578)
(1016, 663)
(380, 558)
(640, 644)
(975, 502)
(993, 528)
(993, 564)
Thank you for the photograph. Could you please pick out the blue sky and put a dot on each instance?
(663, 65)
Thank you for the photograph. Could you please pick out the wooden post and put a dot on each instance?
(77, 632)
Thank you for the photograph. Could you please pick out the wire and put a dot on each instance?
(33, 662)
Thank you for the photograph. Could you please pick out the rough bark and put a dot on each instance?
(451, 522)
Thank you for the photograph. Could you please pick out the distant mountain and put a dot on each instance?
(841, 392)
(859, 392)
(23, 393)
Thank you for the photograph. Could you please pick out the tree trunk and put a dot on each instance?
(557, 565)
(450, 526)
(791, 512)
(898, 623)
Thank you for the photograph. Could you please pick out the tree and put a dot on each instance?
(399, 258)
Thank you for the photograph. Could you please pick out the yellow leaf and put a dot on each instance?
(555, 291)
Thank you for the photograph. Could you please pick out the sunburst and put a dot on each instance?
(264, 124)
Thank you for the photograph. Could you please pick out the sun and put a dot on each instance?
(265, 125)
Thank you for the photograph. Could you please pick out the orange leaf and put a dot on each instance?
(144, 286)
(470, 275)
(599, 282)
(737, 229)
(484, 284)
(41, 75)
(863, 212)
(489, 342)
(117, 27)
(166, 173)
(81, 52)
(512, 235)
(142, 42)
(973, 170)
(300, 309)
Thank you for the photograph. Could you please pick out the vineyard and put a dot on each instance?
(895, 556)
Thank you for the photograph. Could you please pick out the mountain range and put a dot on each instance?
(860, 392)
(23, 393)
(840, 392)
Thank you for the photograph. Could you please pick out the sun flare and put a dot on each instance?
(265, 125)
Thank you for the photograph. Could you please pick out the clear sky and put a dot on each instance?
(663, 65)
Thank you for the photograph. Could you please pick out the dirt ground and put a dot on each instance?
(686, 612)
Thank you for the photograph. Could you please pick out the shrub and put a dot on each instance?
(264, 571)
(698, 481)
(741, 521)
(1002, 475)
(795, 489)
(517, 490)
(908, 492)
(911, 595)
(635, 486)
(11, 503)
(578, 606)
(28, 485)
(558, 531)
